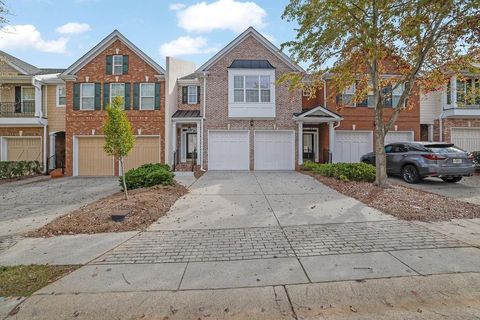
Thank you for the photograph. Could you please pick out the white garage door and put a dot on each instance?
(274, 150)
(351, 145)
(228, 150)
(399, 136)
(466, 138)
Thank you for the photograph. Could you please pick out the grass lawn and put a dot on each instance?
(25, 280)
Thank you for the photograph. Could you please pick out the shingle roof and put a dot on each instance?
(251, 64)
(306, 110)
(50, 71)
(30, 69)
(186, 114)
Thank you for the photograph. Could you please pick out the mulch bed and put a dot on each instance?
(2, 181)
(404, 202)
(143, 208)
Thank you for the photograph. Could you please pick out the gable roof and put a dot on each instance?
(317, 114)
(254, 33)
(19, 65)
(102, 45)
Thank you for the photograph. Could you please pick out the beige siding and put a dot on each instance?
(7, 92)
(6, 70)
(56, 115)
(430, 106)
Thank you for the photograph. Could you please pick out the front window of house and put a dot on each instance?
(28, 99)
(468, 92)
(147, 96)
(117, 64)
(192, 94)
(252, 89)
(87, 96)
(117, 90)
(61, 96)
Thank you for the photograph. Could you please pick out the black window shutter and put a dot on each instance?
(18, 99)
(106, 94)
(136, 97)
(339, 99)
(184, 94)
(125, 64)
(198, 94)
(157, 96)
(108, 65)
(98, 89)
(127, 96)
(76, 96)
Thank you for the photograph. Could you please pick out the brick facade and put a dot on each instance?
(186, 106)
(81, 122)
(287, 102)
(450, 123)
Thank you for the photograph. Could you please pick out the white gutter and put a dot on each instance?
(45, 166)
(204, 108)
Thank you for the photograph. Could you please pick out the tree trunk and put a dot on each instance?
(380, 156)
(122, 171)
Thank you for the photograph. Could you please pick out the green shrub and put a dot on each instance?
(15, 169)
(343, 171)
(148, 175)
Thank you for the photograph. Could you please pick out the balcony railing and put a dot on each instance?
(17, 109)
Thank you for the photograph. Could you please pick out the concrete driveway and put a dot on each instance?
(262, 199)
(29, 204)
(468, 189)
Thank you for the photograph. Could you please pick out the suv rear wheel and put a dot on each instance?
(410, 174)
(451, 179)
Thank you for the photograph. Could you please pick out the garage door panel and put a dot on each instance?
(399, 136)
(351, 145)
(274, 150)
(24, 149)
(466, 138)
(92, 159)
(228, 150)
(145, 150)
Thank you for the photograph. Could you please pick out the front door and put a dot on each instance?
(191, 145)
(308, 147)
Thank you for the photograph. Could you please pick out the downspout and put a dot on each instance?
(39, 103)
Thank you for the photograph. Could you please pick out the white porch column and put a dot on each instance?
(331, 140)
(174, 142)
(201, 144)
(300, 142)
(38, 98)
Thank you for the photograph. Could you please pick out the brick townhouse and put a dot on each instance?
(353, 135)
(114, 67)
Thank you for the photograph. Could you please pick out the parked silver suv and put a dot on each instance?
(417, 160)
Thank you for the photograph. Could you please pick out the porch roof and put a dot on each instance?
(317, 115)
(186, 114)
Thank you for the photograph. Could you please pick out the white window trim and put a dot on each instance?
(190, 94)
(140, 95)
(57, 90)
(116, 65)
(244, 88)
(251, 110)
(117, 83)
(81, 95)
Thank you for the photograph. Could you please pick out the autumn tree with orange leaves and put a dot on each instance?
(429, 41)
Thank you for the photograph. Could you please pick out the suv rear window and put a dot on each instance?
(446, 149)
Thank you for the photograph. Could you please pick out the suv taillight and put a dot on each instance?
(471, 157)
(433, 157)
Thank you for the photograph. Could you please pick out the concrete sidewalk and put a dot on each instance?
(454, 296)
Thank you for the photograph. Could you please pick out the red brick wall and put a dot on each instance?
(186, 106)
(287, 102)
(450, 123)
(26, 131)
(80, 122)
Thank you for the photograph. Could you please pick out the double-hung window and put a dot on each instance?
(117, 90)
(61, 96)
(147, 96)
(87, 96)
(348, 94)
(396, 94)
(117, 64)
(252, 89)
(192, 95)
